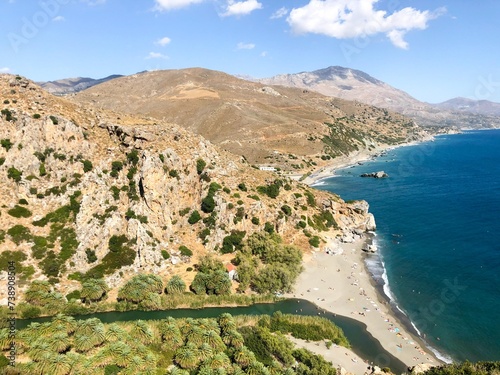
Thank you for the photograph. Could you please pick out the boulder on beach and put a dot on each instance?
(379, 174)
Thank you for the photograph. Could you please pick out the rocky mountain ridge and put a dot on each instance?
(351, 84)
(89, 191)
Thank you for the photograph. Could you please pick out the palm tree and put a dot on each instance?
(60, 365)
(142, 332)
(151, 301)
(205, 351)
(177, 371)
(175, 285)
(257, 368)
(38, 349)
(170, 334)
(213, 339)
(5, 340)
(60, 342)
(93, 290)
(195, 336)
(226, 322)
(68, 322)
(220, 360)
(244, 357)
(233, 338)
(114, 333)
(186, 358)
(93, 329)
(275, 368)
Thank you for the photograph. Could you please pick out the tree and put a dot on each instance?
(200, 166)
(175, 285)
(186, 358)
(93, 290)
(194, 217)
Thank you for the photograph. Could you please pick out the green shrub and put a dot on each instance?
(116, 192)
(165, 254)
(133, 157)
(54, 120)
(42, 171)
(185, 251)
(19, 234)
(173, 173)
(116, 167)
(19, 211)
(242, 186)
(286, 209)
(14, 174)
(91, 256)
(2, 161)
(232, 242)
(200, 166)
(255, 220)
(87, 165)
(23, 201)
(314, 241)
(301, 224)
(194, 217)
(6, 144)
(36, 116)
(269, 227)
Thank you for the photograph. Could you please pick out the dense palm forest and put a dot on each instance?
(226, 345)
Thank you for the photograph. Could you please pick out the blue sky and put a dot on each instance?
(434, 50)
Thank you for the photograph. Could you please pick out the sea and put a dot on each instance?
(438, 238)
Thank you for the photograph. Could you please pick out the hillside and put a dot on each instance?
(351, 84)
(92, 193)
(293, 129)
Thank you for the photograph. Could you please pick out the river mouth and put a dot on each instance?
(362, 342)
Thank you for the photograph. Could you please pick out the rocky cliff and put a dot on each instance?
(92, 191)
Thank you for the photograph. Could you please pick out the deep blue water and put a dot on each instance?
(438, 231)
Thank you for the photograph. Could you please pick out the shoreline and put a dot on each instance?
(341, 284)
(356, 158)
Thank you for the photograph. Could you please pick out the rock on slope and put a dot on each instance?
(86, 190)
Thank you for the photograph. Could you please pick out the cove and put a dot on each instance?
(362, 342)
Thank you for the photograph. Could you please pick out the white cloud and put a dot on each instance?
(4, 70)
(163, 41)
(263, 54)
(241, 8)
(242, 45)
(280, 13)
(156, 55)
(358, 18)
(162, 5)
(58, 19)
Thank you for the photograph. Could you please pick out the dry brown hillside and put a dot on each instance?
(267, 125)
(87, 191)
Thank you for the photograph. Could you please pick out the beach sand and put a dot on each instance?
(341, 284)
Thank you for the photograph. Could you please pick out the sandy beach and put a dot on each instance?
(341, 284)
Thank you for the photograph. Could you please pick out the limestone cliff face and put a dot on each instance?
(76, 180)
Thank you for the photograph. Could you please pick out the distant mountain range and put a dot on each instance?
(351, 84)
(484, 107)
(356, 85)
(72, 85)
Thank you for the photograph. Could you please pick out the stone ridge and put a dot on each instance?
(77, 179)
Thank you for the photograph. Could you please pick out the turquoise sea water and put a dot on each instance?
(438, 232)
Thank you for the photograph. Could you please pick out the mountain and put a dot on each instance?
(351, 84)
(292, 129)
(73, 85)
(90, 193)
(482, 107)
